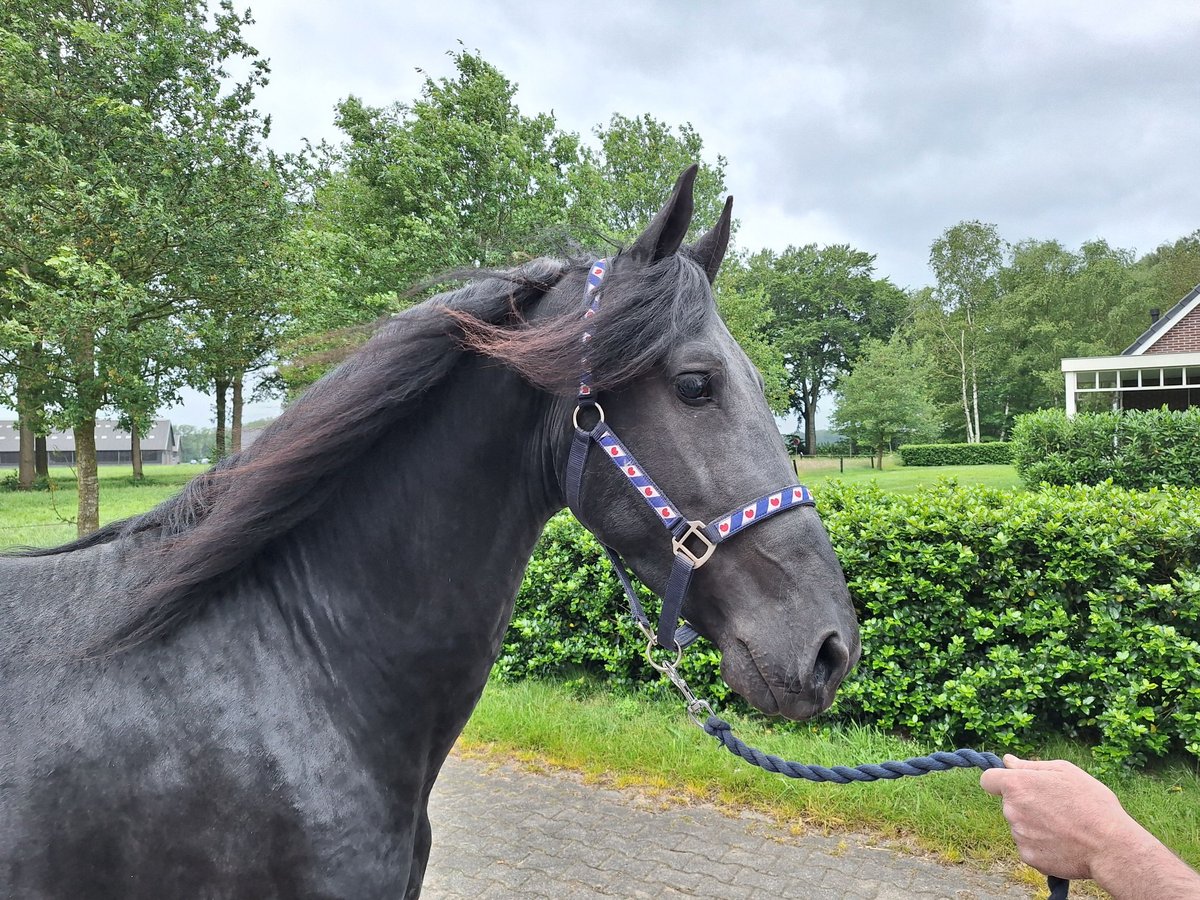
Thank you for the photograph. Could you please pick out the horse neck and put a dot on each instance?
(405, 587)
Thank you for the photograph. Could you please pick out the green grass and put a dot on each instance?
(46, 518)
(651, 744)
(901, 479)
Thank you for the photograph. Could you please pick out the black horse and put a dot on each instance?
(249, 691)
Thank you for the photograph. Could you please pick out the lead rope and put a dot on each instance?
(716, 727)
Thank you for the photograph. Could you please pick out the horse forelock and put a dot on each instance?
(644, 312)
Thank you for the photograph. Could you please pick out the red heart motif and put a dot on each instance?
(648, 491)
(774, 501)
(748, 513)
(796, 495)
(724, 526)
(631, 470)
(614, 451)
(666, 513)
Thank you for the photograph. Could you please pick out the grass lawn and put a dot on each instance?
(46, 518)
(903, 479)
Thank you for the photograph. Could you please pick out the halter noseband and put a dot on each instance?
(692, 541)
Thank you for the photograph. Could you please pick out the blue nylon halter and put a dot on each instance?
(692, 541)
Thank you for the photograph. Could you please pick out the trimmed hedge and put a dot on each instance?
(992, 618)
(993, 453)
(1135, 449)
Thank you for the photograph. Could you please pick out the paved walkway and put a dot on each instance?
(500, 831)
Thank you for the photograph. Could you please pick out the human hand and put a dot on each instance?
(1063, 820)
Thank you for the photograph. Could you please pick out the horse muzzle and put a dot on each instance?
(797, 689)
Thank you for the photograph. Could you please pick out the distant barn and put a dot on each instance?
(160, 446)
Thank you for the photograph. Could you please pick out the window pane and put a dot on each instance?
(1085, 380)
(1108, 379)
(1129, 379)
(1193, 375)
(1151, 377)
(1172, 377)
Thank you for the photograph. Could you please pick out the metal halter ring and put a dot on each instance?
(575, 415)
(666, 668)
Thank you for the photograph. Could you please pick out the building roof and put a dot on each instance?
(1174, 316)
(108, 437)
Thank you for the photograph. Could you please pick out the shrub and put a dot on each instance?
(994, 453)
(1007, 618)
(1135, 449)
(988, 617)
(12, 482)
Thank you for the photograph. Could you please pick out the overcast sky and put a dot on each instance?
(875, 124)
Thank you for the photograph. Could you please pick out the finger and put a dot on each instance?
(993, 781)
(1044, 765)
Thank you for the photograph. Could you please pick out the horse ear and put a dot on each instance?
(664, 235)
(709, 251)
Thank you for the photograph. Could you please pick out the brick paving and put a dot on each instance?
(502, 831)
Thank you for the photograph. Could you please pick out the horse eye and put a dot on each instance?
(693, 386)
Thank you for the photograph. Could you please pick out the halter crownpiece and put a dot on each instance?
(692, 541)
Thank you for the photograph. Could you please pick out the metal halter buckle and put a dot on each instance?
(696, 530)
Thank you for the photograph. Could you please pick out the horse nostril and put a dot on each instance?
(833, 659)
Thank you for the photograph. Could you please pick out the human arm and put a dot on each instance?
(1066, 823)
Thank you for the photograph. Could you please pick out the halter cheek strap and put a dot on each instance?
(692, 541)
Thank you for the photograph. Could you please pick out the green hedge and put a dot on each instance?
(1135, 449)
(993, 453)
(990, 618)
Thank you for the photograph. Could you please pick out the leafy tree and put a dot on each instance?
(620, 183)
(112, 114)
(884, 399)
(825, 303)
(1171, 271)
(966, 263)
(461, 178)
(750, 319)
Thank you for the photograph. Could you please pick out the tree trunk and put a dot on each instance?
(879, 456)
(975, 397)
(809, 399)
(962, 371)
(25, 467)
(222, 385)
(88, 518)
(135, 453)
(41, 457)
(25, 458)
(235, 437)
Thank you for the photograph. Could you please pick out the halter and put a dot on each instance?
(692, 541)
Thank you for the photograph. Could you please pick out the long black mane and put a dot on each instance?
(226, 516)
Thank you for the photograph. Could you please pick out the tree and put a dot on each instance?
(1171, 271)
(966, 263)
(884, 399)
(825, 302)
(461, 178)
(621, 182)
(749, 317)
(112, 114)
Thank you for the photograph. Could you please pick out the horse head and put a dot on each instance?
(773, 599)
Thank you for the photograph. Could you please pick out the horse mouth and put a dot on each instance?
(743, 673)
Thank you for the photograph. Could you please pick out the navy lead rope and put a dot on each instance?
(718, 728)
(693, 543)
